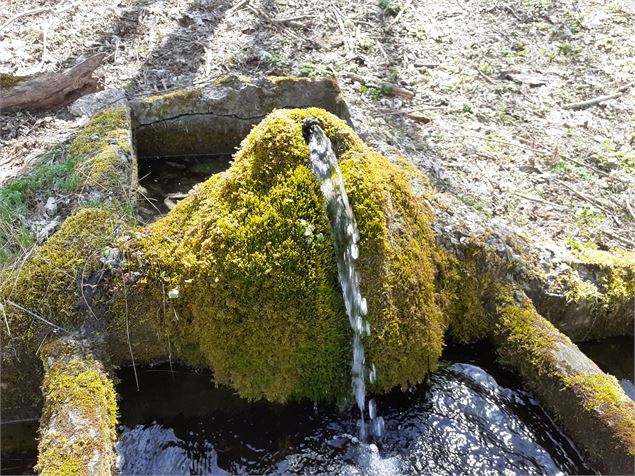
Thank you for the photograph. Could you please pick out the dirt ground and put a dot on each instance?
(477, 97)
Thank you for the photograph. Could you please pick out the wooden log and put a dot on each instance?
(52, 90)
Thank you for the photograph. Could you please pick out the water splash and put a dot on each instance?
(345, 237)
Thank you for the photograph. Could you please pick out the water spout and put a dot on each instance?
(345, 236)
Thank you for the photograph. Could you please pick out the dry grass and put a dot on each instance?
(492, 77)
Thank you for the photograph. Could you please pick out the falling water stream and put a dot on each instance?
(345, 236)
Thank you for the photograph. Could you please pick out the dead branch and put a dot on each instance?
(238, 6)
(52, 90)
(576, 106)
(484, 76)
(584, 197)
(35, 11)
(540, 200)
(627, 201)
(619, 238)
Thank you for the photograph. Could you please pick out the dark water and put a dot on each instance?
(463, 422)
(19, 447)
(616, 356)
(166, 180)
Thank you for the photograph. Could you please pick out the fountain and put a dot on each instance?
(265, 274)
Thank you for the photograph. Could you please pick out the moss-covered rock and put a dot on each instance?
(78, 424)
(246, 269)
(51, 293)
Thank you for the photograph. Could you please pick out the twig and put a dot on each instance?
(410, 111)
(32, 314)
(576, 106)
(540, 200)
(340, 23)
(6, 321)
(484, 76)
(514, 144)
(627, 201)
(400, 13)
(125, 298)
(545, 152)
(582, 164)
(35, 11)
(514, 14)
(393, 89)
(238, 6)
(44, 44)
(619, 238)
(584, 197)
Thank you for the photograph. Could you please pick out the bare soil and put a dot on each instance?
(490, 80)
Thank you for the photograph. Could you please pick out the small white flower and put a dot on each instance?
(173, 293)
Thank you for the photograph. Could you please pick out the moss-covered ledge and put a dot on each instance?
(78, 424)
(593, 296)
(589, 404)
(586, 295)
(107, 165)
(241, 277)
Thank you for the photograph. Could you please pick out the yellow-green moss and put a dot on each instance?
(260, 297)
(465, 285)
(103, 149)
(48, 282)
(80, 414)
(601, 394)
(600, 390)
(616, 273)
(569, 385)
(10, 80)
(602, 283)
(178, 94)
(527, 338)
(105, 128)
(107, 170)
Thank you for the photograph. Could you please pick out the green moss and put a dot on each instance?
(603, 283)
(547, 362)
(527, 338)
(105, 128)
(615, 273)
(259, 298)
(601, 390)
(466, 285)
(80, 414)
(176, 95)
(10, 80)
(103, 153)
(48, 282)
(603, 395)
